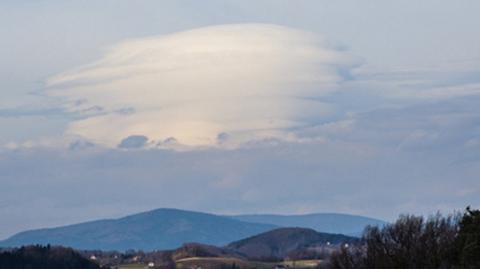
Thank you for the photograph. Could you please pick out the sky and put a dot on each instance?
(112, 107)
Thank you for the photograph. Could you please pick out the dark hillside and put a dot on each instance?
(37, 257)
(281, 242)
(200, 250)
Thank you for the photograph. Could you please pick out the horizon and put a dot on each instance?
(110, 108)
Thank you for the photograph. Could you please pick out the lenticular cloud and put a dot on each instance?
(202, 87)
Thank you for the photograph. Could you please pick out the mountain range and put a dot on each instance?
(171, 228)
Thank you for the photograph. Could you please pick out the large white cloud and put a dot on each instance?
(246, 80)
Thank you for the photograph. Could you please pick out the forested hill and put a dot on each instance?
(46, 257)
(282, 242)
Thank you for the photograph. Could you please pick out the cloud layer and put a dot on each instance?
(402, 136)
(204, 86)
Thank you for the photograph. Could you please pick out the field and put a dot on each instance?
(219, 262)
(208, 263)
(133, 266)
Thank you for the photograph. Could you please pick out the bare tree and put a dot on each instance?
(410, 242)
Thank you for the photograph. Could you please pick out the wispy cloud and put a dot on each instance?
(28, 112)
(425, 85)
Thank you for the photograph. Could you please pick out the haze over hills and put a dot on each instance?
(321, 222)
(170, 228)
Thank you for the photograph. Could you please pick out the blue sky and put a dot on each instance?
(112, 107)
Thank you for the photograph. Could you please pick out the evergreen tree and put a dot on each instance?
(468, 240)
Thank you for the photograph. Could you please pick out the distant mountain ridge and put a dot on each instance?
(321, 222)
(164, 228)
(152, 230)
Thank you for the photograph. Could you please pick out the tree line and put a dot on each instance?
(437, 242)
(44, 257)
